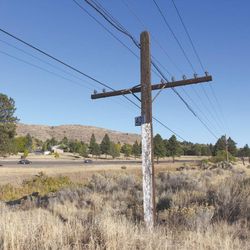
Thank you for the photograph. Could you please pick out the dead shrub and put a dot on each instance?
(190, 218)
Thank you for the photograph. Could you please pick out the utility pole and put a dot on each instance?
(147, 133)
(226, 148)
(145, 121)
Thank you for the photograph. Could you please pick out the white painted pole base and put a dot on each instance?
(147, 170)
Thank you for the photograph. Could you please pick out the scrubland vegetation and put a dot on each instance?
(196, 209)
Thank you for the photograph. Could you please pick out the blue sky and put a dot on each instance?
(219, 29)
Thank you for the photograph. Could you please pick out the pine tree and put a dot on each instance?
(105, 145)
(96, 150)
(232, 149)
(136, 150)
(126, 149)
(92, 144)
(114, 150)
(173, 147)
(29, 142)
(220, 145)
(159, 147)
(7, 124)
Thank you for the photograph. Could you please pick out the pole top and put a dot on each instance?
(145, 34)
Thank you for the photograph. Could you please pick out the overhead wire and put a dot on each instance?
(174, 35)
(110, 33)
(201, 64)
(45, 62)
(67, 65)
(162, 66)
(81, 7)
(111, 20)
(41, 68)
(55, 59)
(152, 35)
(115, 24)
(189, 37)
(188, 60)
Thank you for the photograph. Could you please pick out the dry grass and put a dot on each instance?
(195, 210)
(78, 173)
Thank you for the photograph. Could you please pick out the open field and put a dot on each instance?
(100, 207)
(78, 172)
(11, 172)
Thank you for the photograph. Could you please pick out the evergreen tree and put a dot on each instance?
(126, 149)
(96, 150)
(83, 149)
(232, 149)
(173, 147)
(244, 152)
(114, 150)
(159, 147)
(7, 124)
(105, 145)
(92, 144)
(220, 145)
(136, 150)
(29, 142)
(64, 141)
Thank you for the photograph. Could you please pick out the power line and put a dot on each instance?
(153, 37)
(126, 33)
(107, 30)
(107, 16)
(213, 108)
(55, 59)
(157, 120)
(45, 70)
(41, 68)
(67, 65)
(111, 20)
(189, 37)
(197, 106)
(200, 62)
(159, 45)
(45, 62)
(114, 36)
(175, 37)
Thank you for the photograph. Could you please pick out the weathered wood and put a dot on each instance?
(147, 133)
(137, 89)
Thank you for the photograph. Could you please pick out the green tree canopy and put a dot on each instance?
(126, 149)
(173, 147)
(159, 147)
(136, 149)
(114, 150)
(220, 145)
(92, 144)
(29, 142)
(96, 149)
(105, 145)
(244, 152)
(7, 124)
(232, 149)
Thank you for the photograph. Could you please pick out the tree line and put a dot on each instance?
(10, 144)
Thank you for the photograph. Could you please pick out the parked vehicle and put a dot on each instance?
(24, 162)
(88, 161)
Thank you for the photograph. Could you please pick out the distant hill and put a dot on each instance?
(73, 132)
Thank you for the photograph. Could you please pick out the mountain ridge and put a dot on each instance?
(74, 132)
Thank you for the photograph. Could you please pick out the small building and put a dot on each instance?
(57, 149)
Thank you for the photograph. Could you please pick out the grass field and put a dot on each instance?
(98, 207)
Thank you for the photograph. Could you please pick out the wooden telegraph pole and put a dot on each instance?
(226, 148)
(145, 121)
(147, 133)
